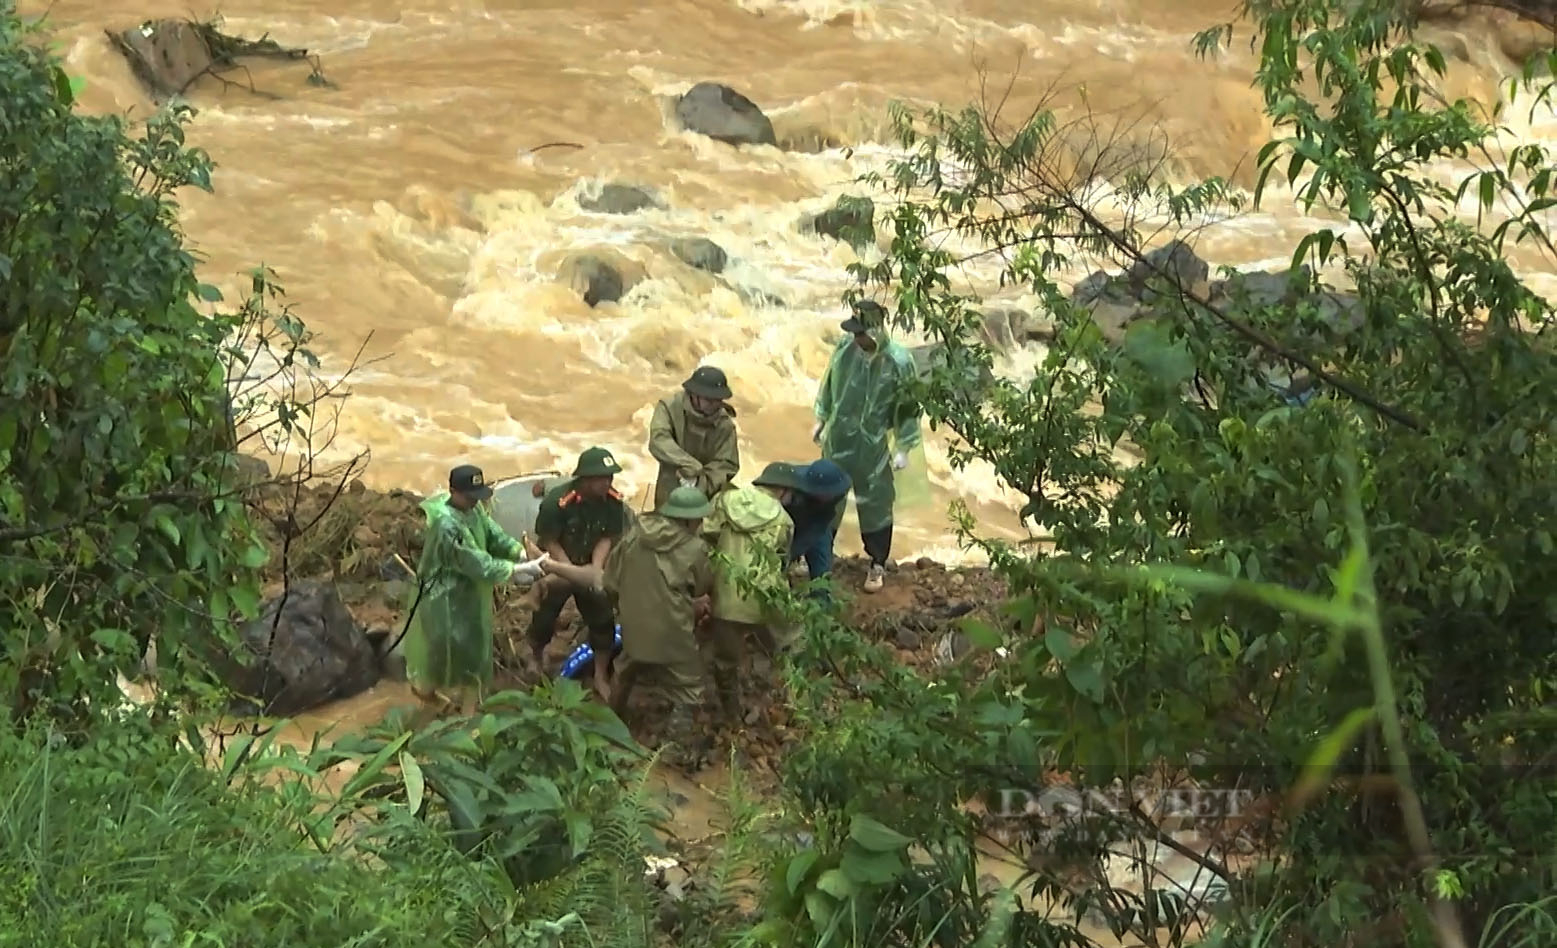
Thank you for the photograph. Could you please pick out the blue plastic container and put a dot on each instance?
(583, 658)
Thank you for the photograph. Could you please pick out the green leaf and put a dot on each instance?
(245, 599)
(820, 908)
(208, 293)
(114, 640)
(370, 771)
(168, 527)
(237, 753)
(1059, 643)
(836, 884)
(415, 784)
(1321, 763)
(876, 837)
(1087, 678)
(868, 868)
(7, 430)
(981, 634)
(255, 556)
(798, 868)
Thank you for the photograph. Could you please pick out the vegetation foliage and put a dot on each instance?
(1300, 599)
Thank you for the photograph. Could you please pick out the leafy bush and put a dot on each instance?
(129, 839)
(546, 784)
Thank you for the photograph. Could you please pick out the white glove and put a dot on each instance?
(688, 482)
(530, 569)
(816, 433)
(899, 461)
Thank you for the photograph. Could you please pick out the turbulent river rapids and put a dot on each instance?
(409, 201)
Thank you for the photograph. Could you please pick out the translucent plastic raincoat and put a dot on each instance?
(751, 531)
(465, 554)
(866, 415)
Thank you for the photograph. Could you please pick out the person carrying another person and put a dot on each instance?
(692, 435)
(660, 576)
(816, 507)
(464, 555)
(578, 523)
(867, 423)
(751, 533)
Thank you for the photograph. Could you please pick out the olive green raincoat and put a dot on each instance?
(465, 554)
(866, 415)
(655, 573)
(692, 446)
(751, 531)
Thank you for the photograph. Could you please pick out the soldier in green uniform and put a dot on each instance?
(578, 523)
(692, 435)
(661, 576)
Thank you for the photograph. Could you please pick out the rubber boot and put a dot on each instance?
(687, 750)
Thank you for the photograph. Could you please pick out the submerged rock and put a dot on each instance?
(304, 650)
(618, 199)
(700, 252)
(595, 278)
(850, 219)
(725, 115)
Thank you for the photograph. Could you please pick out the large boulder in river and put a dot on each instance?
(596, 278)
(618, 199)
(725, 115)
(700, 253)
(305, 650)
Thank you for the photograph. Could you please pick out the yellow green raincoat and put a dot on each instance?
(465, 554)
(751, 531)
(866, 415)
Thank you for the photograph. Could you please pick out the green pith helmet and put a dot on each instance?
(596, 462)
(708, 382)
(779, 474)
(685, 503)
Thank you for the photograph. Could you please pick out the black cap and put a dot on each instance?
(707, 382)
(467, 479)
(868, 315)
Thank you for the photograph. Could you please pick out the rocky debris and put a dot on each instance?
(723, 114)
(850, 219)
(701, 253)
(618, 199)
(596, 279)
(169, 56)
(810, 140)
(1117, 301)
(1519, 29)
(305, 649)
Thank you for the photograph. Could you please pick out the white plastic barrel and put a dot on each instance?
(515, 503)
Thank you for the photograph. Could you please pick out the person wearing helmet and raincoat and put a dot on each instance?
(464, 555)
(867, 423)
(660, 575)
(751, 532)
(692, 435)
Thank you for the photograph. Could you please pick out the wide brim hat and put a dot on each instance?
(708, 382)
(824, 479)
(596, 462)
(685, 503)
(780, 474)
(867, 315)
